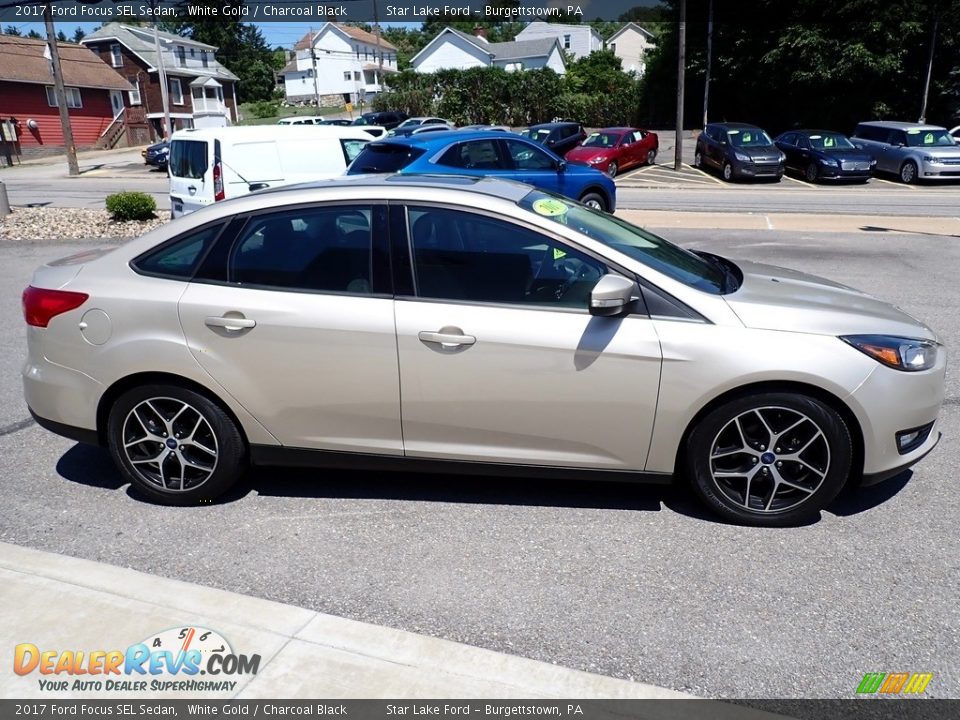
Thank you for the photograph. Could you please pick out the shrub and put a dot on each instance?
(131, 206)
(264, 109)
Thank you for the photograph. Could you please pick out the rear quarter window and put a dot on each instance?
(180, 257)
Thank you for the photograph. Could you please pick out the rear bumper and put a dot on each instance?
(90, 437)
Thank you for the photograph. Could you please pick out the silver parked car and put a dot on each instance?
(911, 151)
(472, 325)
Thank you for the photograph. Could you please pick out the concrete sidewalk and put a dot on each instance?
(63, 603)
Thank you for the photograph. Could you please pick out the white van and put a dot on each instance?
(215, 164)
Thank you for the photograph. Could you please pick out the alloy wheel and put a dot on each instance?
(769, 459)
(908, 173)
(170, 444)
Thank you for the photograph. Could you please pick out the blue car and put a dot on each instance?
(490, 154)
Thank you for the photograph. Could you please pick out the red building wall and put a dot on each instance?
(28, 101)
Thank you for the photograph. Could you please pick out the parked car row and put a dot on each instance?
(911, 151)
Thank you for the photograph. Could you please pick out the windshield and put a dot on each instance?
(602, 140)
(539, 135)
(749, 138)
(830, 141)
(654, 252)
(929, 138)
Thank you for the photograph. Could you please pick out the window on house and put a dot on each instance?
(346, 76)
(73, 97)
(513, 67)
(356, 75)
(135, 93)
(181, 56)
(613, 48)
(116, 57)
(193, 53)
(176, 91)
(204, 58)
(566, 42)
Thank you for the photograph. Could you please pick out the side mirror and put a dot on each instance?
(612, 295)
(561, 166)
(257, 186)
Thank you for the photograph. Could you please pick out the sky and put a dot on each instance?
(275, 33)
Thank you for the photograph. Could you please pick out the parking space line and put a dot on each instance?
(802, 182)
(707, 175)
(895, 184)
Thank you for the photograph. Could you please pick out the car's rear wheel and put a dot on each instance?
(812, 173)
(612, 169)
(594, 200)
(908, 172)
(727, 171)
(175, 445)
(774, 459)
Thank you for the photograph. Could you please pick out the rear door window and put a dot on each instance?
(189, 159)
(476, 155)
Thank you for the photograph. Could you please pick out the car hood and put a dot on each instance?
(946, 151)
(845, 154)
(585, 154)
(769, 153)
(775, 298)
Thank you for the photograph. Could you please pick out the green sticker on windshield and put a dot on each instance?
(558, 253)
(550, 207)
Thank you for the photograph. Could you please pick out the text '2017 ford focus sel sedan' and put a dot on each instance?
(472, 325)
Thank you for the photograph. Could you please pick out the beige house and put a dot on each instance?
(631, 43)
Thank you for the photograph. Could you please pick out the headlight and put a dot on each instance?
(829, 162)
(601, 159)
(742, 158)
(783, 157)
(900, 353)
(931, 158)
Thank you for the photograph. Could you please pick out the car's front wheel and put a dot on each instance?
(594, 200)
(908, 172)
(774, 459)
(812, 173)
(175, 445)
(727, 172)
(698, 160)
(651, 157)
(612, 169)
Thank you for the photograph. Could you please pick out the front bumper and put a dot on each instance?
(757, 170)
(939, 171)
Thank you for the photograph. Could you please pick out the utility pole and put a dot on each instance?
(60, 91)
(926, 84)
(681, 50)
(162, 78)
(376, 31)
(706, 79)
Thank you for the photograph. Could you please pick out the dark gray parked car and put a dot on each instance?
(738, 151)
(911, 151)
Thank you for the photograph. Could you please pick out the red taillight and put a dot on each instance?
(40, 305)
(218, 182)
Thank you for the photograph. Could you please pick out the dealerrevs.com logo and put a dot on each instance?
(180, 659)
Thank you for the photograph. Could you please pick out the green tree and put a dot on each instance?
(61, 36)
(11, 30)
(35, 35)
(78, 35)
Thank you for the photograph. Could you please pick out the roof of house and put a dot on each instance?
(354, 32)
(513, 50)
(22, 60)
(139, 41)
(555, 28)
(633, 26)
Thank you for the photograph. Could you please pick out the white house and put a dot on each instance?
(631, 43)
(452, 49)
(578, 40)
(336, 63)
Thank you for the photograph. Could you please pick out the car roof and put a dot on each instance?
(813, 132)
(553, 125)
(897, 125)
(617, 129)
(241, 133)
(493, 186)
(443, 137)
(736, 126)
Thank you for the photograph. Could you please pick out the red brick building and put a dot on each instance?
(201, 91)
(94, 94)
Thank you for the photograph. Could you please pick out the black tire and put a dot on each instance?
(908, 172)
(743, 502)
(727, 172)
(812, 173)
(208, 475)
(594, 199)
(698, 160)
(651, 157)
(612, 169)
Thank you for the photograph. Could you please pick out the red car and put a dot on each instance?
(617, 148)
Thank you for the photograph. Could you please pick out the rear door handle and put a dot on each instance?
(447, 337)
(230, 324)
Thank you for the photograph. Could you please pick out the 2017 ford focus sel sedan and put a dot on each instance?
(472, 325)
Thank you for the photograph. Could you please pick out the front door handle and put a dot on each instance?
(447, 337)
(230, 324)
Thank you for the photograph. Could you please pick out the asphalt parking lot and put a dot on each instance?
(628, 581)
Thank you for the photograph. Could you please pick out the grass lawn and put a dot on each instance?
(249, 119)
